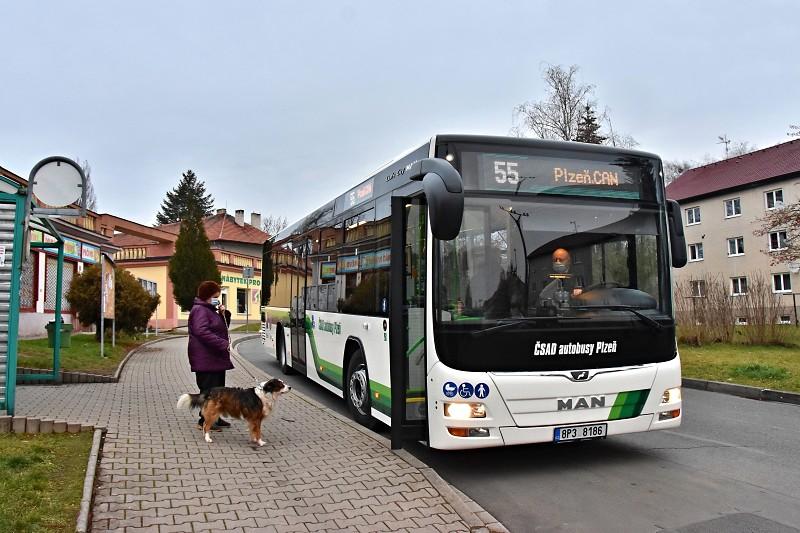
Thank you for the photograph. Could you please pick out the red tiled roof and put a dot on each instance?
(778, 160)
(121, 239)
(223, 227)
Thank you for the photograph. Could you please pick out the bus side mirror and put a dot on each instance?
(677, 240)
(444, 192)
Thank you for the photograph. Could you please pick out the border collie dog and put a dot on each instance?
(253, 405)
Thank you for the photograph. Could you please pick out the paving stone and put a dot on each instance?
(315, 473)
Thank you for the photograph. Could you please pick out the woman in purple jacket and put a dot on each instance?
(209, 342)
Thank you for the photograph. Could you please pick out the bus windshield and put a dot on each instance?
(546, 257)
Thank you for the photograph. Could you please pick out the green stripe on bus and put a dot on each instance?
(329, 372)
(629, 404)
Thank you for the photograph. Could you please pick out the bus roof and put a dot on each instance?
(379, 187)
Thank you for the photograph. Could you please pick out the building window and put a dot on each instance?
(733, 207)
(774, 199)
(781, 282)
(698, 288)
(785, 319)
(741, 321)
(738, 286)
(777, 241)
(735, 246)
(51, 272)
(241, 301)
(27, 286)
(692, 216)
(696, 252)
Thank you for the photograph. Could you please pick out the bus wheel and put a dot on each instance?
(357, 392)
(281, 355)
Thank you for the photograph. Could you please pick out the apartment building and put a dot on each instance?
(722, 204)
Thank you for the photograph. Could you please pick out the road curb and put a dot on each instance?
(88, 482)
(743, 391)
(472, 513)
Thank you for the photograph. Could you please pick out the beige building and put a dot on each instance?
(722, 204)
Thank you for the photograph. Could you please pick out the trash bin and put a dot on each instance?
(66, 334)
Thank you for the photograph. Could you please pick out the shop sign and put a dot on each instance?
(366, 261)
(328, 270)
(72, 248)
(383, 258)
(90, 254)
(250, 282)
(347, 264)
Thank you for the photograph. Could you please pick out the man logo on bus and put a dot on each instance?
(481, 390)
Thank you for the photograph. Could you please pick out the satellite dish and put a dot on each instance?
(57, 181)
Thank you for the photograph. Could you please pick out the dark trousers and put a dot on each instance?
(207, 381)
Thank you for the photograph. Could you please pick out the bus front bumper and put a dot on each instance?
(514, 435)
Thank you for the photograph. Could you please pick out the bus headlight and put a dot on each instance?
(464, 410)
(671, 395)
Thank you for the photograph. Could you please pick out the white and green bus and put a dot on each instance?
(487, 291)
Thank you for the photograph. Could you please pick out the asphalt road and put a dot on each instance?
(734, 465)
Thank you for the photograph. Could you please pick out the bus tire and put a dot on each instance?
(280, 355)
(356, 390)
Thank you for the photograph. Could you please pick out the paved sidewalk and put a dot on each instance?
(315, 472)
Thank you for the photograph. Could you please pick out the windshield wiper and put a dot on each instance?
(646, 319)
(510, 323)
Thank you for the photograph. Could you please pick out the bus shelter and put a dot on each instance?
(12, 248)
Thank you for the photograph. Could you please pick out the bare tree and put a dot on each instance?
(794, 130)
(273, 224)
(740, 148)
(615, 138)
(556, 115)
(91, 196)
(674, 168)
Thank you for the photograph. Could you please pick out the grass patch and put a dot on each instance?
(41, 480)
(252, 327)
(772, 367)
(82, 356)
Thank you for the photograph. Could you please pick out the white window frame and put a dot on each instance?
(785, 319)
(778, 233)
(780, 276)
(776, 204)
(733, 204)
(698, 246)
(736, 246)
(739, 292)
(700, 284)
(741, 320)
(697, 219)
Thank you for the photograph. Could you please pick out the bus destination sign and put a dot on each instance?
(556, 175)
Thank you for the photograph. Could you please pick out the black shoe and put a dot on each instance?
(222, 423)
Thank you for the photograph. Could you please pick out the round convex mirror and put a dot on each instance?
(58, 182)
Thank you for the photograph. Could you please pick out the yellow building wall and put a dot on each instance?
(157, 274)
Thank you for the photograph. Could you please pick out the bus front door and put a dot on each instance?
(407, 320)
(297, 314)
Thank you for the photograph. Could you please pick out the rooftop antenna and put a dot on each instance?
(723, 139)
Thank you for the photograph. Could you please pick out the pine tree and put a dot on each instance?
(192, 263)
(588, 128)
(188, 199)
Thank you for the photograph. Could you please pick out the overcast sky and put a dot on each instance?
(279, 106)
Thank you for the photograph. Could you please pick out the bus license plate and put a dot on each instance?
(589, 431)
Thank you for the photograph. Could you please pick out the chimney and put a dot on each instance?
(240, 217)
(221, 211)
(255, 220)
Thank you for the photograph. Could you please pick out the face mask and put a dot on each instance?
(215, 302)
